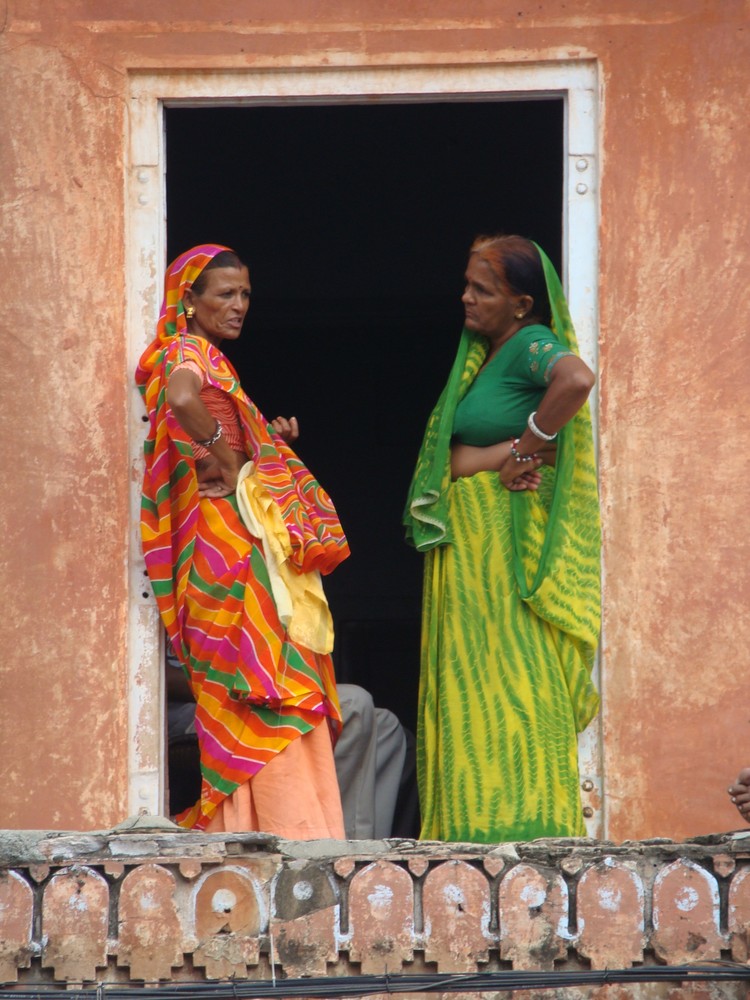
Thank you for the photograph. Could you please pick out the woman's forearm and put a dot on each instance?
(183, 398)
(570, 385)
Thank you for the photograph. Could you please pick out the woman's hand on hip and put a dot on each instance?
(218, 479)
(286, 429)
(214, 489)
(517, 476)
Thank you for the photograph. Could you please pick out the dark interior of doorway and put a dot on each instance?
(355, 221)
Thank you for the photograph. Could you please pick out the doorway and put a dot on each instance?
(355, 220)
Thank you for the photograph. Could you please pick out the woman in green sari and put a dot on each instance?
(504, 504)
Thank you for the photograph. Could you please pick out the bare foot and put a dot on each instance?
(739, 793)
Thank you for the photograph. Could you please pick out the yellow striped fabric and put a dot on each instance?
(497, 745)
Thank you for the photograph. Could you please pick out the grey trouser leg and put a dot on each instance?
(369, 758)
(391, 753)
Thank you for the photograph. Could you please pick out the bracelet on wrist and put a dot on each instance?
(517, 454)
(536, 431)
(213, 439)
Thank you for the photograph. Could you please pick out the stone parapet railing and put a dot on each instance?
(141, 904)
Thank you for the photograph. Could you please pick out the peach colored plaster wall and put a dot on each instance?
(674, 235)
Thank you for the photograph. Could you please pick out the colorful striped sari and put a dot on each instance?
(255, 689)
(509, 630)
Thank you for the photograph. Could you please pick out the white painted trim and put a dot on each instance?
(576, 81)
(145, 229)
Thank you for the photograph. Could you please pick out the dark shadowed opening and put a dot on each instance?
(355, 221)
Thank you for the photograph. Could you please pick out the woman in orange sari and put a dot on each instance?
(236, 533)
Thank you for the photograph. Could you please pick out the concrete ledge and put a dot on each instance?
(147, 902)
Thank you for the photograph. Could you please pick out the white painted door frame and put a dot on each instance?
(575, 81)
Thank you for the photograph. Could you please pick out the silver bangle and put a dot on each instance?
(535, 430)
(213, 439)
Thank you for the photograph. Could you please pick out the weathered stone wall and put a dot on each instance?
(140, 904)
(673, 357)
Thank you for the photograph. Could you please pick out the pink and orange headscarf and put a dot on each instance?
(180, 276)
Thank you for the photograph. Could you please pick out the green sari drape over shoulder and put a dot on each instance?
(511, 615)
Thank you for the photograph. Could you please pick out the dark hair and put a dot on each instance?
(225, 258)
(516, 263)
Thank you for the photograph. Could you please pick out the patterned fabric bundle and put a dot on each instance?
(255, 689)
(511, 614)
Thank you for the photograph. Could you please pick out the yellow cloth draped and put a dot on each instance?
(300, 600)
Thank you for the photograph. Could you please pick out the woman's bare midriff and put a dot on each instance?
(468, 459)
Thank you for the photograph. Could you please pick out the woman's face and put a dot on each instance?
(490, 309)
(220, 309)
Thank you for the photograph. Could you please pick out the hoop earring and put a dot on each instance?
(190, 312)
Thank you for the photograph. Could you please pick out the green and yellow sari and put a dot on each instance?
(511, 609)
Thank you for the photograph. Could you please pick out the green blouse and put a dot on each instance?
(508, 388)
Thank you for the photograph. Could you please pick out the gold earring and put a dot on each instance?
(520, 315)
(190, 312)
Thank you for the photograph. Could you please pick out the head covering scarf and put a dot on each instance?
(557, 564)
(180, 276)
(170, 491)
